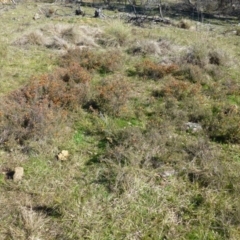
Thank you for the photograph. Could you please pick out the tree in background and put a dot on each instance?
(213, 4)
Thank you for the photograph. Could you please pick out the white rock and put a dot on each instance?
(18, 174)
(36, 16)
(63, 155)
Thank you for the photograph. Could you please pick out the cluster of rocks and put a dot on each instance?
(17, 174)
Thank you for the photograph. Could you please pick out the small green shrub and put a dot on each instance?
(223, 124)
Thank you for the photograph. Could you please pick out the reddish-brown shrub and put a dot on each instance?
(112, 95)
(150, 69)
(178, 89)
(33, 111)
(23, 121)
(103, 62)
(74, 73)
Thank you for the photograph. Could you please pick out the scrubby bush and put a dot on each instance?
(149, 69)
(179, 89)
(30, 113)
(193, 73)
(104, 62)
(112, 94)
(223, 124)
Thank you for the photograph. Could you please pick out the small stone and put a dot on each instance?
(169, 173)
(193, 127)
(36, 16)
(63, 155)
(18, 174)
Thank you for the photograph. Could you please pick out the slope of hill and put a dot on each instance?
(122, 131)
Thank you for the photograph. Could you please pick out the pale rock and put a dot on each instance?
(63, 155)
(36, 16)
(18, 174)
(193, 127)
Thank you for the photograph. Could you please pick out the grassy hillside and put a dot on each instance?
(148, 114)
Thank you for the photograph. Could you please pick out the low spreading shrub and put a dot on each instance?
(104, 62)
(223, 124)
(178, 89)
(149, 69)
(30, 113)
(193, 73)
(112, 95)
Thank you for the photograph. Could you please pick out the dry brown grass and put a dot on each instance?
(61, 37)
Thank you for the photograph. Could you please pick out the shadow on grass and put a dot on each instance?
(49, 211)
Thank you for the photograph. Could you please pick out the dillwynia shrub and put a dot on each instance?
(103, 62)
(149, 69)
(33, 111)
(112, 95)
(178, 89)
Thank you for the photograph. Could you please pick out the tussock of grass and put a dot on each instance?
(116, 34)
(60, 36)
(185, 24)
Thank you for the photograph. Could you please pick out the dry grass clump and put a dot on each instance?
(238, 31)
(60, 36)
(203, 57)
(150, 47)
(29, 224)
(145, 47)
(197, 55)
(33, 38)
(104, 61)
(218, 57)
(149, 69)
(116, 34)
(185, 24)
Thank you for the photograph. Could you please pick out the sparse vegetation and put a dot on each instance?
(149, 117)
